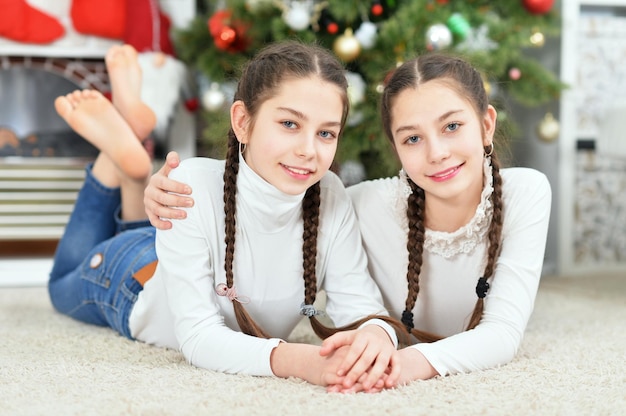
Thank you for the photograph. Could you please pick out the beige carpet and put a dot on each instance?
(572, 362)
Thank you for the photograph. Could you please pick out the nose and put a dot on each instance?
(306, 146)
(437, 150)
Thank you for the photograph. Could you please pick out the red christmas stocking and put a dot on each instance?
(22, 23)
(90, 17)
(147, 28)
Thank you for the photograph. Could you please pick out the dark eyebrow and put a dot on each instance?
(294, 112)
(302, 116)
(441, 118)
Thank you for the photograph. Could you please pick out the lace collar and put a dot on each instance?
(466, 238)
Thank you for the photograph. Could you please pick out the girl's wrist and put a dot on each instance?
(415, 366)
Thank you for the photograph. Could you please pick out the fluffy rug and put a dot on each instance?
(572, 362)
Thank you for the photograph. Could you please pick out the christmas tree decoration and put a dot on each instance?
(366, 35)
(300, 14)
(297, 14)
(537, 39)
(346, 46)
(515, 73)
(477, 40)
(352, 172)
(228, 34)
(538, 6)
(213, 98)
(327, 22)
(548, 128)
(438, 37)
(356, 88)
(254, 5)
(459, 25)
(493, 36)
(377, 8)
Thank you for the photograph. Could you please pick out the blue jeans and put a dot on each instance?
(92, 276)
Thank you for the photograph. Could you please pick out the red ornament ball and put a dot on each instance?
(377, 10)
(538, 6)
(332, 28)
(191, 104)
(225, 38)
(228, 34)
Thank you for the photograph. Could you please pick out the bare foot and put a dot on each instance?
(92, 116)
(125, 75)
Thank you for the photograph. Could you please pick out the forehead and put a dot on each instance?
(432, 98)
(437, 89)
(309, 94)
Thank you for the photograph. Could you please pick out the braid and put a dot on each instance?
(310, 217)
(415, 247)
(230, 204)
(245, 321)
(494, 235)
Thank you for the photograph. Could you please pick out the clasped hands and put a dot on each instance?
(362, 360)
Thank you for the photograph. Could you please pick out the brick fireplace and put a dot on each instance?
(41, 158)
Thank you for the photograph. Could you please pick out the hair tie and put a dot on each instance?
(482, 287)
(407, 320)
(230, 293)
(309, 310)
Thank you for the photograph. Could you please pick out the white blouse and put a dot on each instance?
(179, 306)
(453, 263)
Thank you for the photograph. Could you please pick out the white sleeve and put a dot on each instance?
(185, 258)
(510, 300)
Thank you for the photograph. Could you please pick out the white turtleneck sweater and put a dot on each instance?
(453, 263)
(179, 307)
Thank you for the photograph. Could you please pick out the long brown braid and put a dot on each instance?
(467, 82)
(259, 81)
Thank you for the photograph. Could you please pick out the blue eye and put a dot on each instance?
(453, 126)
(413, 139)
(289, 124)
(325, 134)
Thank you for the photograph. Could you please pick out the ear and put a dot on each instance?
(240, 121)
(489, 125)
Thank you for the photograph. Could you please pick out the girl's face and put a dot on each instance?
(440, 141)
(292, 140)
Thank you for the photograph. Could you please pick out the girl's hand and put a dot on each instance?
(161, 194)
(414, 366)
(372, 360)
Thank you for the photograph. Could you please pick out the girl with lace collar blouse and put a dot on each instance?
(455, 242)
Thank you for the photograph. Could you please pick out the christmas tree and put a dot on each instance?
(371, 37)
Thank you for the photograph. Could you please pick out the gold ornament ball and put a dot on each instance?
(537, 39)
(549, 128)
(347, 46)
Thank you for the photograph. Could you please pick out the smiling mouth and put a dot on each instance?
(446, 172)
(298, 171)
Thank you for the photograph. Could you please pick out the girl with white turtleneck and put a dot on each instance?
(271, 226)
